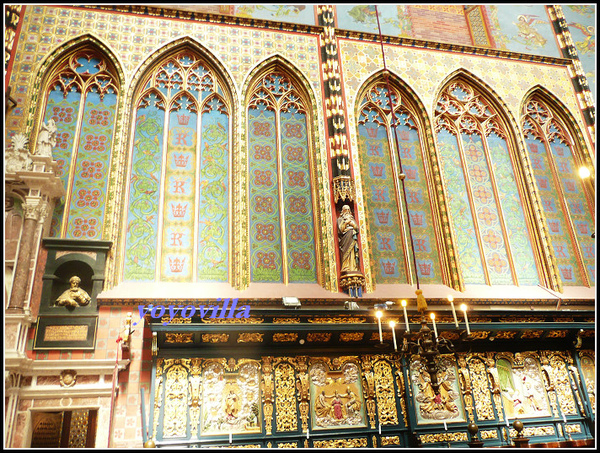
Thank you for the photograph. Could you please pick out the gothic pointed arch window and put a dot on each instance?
(384, 202)
(81, 99)
(568, 207)
(178, 216)
(282, 228)
(492, 234)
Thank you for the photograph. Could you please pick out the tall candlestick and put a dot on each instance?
(445, 427)
(451, 299)
(307, 433)
(230, 438)
(379, 315)
(380, 429)
(432, 316)
(393, 326)
(463, 307)
(405, 315)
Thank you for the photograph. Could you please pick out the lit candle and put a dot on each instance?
(506, 421)
(445, 427)
(432, 316)
(405, 315)
(584, 172)
(393, 326)
(451, 299)
(307, 433)
(463, 307)
(379, 315)
(230, 438)
(380, 429)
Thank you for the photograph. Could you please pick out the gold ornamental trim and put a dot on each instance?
(390, 440)
(351, 336)
(444, 437)
(337, 320)
(318, 336)
(179, 338)
(215, 337)
(250, 337)
(340, 443)
(233, 320)
(489, 434)
(286, 321)
(283, 337)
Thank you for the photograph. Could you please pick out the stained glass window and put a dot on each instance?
(384, 201)
(177, 220)
(567, 207)
(282, 237)
(492, 235)
(82, 102)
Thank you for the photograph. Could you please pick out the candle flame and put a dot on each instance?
(463, 307)
(451, 298)
(432, 315)
(403, 303)
(392, 324)
(378, 314)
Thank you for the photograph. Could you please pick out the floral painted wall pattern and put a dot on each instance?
(281, 219)
(384, 201)
(82, 87)
(475, 156)
(566, 205)
(190, 228)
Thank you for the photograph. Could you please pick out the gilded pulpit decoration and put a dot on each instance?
(351, 336)
(285, 399)
(250, 337)
(285, 337)
(195, 395)
(231, 400)
(464, 379)
(547, 374)
(384, 391)
(158, 392)
(175, 411)
(480, 385)
(318, 336)
(267, 392)
(588, 369)
(340, 443)
(336, 396)
(575, 380)
(495, 384)
(215, 337)
(303, 388)
(432, 408)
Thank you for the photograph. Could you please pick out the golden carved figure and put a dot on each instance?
(348, 232)
(74, 296)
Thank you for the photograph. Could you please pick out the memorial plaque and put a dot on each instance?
(65, 332)
(47, 428)
(62, 333)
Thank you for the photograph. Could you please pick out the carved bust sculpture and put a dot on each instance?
(74, 296)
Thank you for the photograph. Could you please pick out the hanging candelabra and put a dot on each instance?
(426, 343)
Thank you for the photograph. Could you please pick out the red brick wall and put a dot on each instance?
(442, 23)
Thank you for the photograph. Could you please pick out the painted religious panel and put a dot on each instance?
(230, 401)
(336, 397)
(523, 392)
(432, 408)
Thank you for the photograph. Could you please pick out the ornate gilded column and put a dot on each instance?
(352, 279)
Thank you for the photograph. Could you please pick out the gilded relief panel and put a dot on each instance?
(432, 408)
(588, 369)
(523, 391)
(231, 401)
(336, 397)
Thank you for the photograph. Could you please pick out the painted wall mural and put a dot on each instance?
(523, 28)
(581, 20)
(298, 14)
